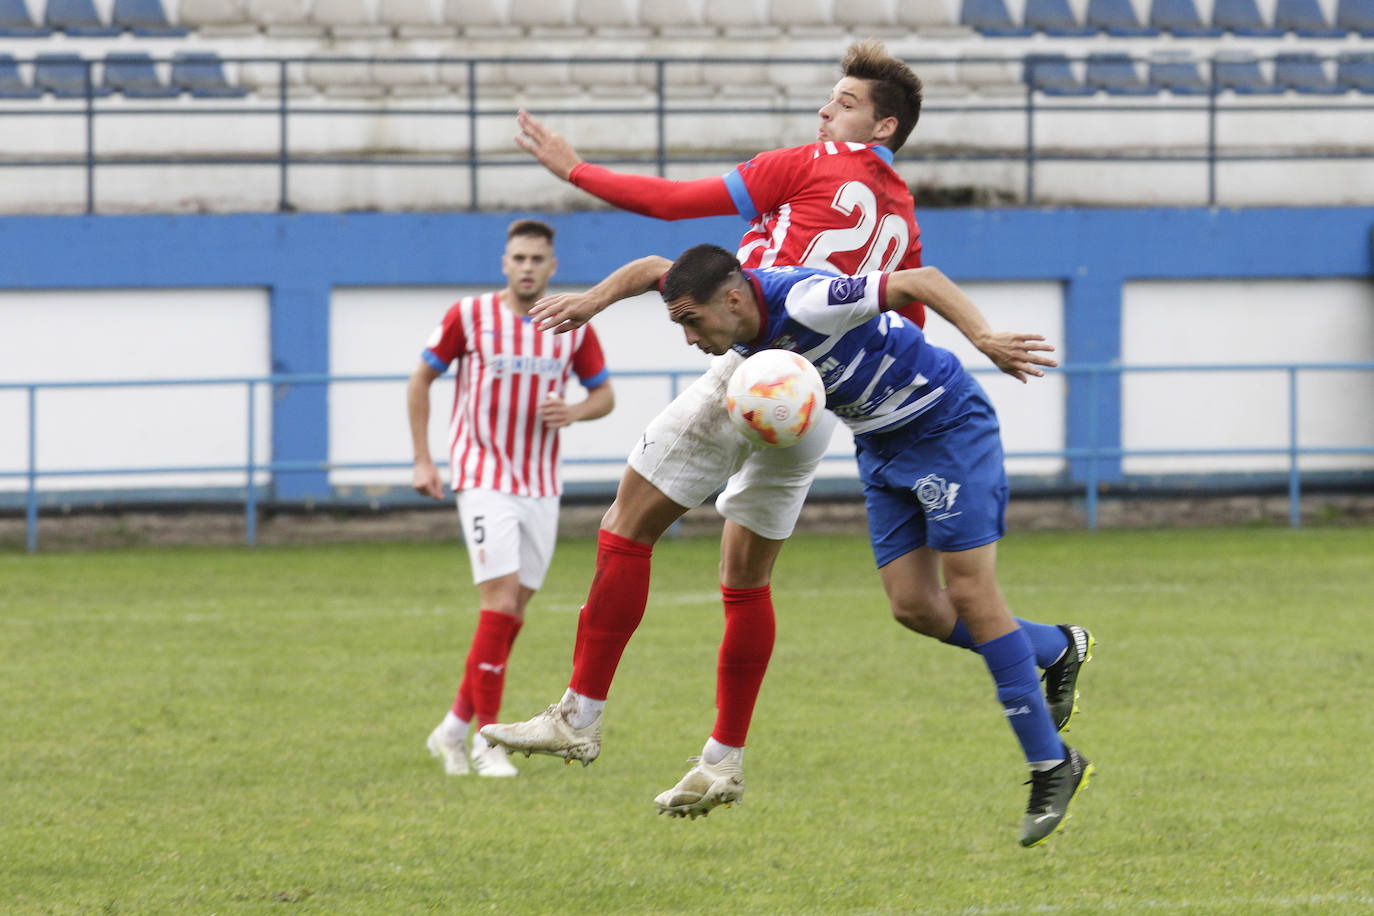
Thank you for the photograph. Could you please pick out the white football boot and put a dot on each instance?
(454, 756)
(551, 733)
(705, 786)
(490, 759)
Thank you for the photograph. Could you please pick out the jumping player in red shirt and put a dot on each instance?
(835, 204)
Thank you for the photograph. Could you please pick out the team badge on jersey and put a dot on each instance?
(844, 290)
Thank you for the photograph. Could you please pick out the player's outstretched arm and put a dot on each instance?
(564, 312)
(647, 195)
(1018, 354)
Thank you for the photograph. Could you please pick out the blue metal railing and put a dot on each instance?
(251, 466)
(1210, 103)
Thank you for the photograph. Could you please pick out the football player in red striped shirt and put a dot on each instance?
(508, 409)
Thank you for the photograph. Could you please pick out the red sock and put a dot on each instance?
(462, 703)
(743, 660)
(485, 675)
(614, 608)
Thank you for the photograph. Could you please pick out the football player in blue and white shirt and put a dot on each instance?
(926, 437)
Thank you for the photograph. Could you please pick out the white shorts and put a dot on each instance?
(691, 449)
(507, 533)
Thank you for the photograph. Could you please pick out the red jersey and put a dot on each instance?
(835, 206)
(506, 368)
(831, 205)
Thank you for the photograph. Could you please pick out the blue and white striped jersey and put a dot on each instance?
(878, 369)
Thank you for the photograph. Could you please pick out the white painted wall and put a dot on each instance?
(1239, 322)
(81, 335)
(124, 334)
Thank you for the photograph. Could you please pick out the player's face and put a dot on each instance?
(710, 327)
(848, 117)
(528, 263)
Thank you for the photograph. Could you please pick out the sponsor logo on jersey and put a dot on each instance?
(511, 365)
(844, 290)
(785, 342)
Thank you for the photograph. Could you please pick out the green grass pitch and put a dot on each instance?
(197, 731)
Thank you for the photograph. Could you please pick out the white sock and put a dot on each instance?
(453, 728)
(714, 752)
(584, 710)
(1040, 766)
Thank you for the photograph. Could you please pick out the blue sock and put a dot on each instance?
(959, 636)
(1011, 662)
(1048, 642)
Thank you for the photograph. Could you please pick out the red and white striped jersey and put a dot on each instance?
(506, 368)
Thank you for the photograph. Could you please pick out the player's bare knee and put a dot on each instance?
(918, 615)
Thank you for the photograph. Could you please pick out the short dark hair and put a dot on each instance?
(895, 87)
(698, 273)
(532, 227)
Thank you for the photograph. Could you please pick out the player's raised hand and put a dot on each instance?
(425, 480)
(548, 146)
(564, 312)
(1017, 354)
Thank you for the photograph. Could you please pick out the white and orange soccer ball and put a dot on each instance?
(775, 398)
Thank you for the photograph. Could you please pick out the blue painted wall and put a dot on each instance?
(300, 257)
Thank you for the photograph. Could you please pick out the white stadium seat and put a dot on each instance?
(480, 18)
(284, 18)
(868, 18)
(213, 18)
(740, 19)
(351, 79)
(414, 19)
(347, 19)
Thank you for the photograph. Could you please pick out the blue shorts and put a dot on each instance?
(938, 481)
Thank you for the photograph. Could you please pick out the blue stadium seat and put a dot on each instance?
(1115, 72)
(1181, 19)
(15, 21)
(1117, 17)
(1355, 70)
(990, 17)
(1356, 16)
(201, 73)
(1052, 74)
(1242, 74)
(12, 85)
(1242, 17)
(1054, 17)
(76, 17)
(133, 75)
(1304, 18)
(1178, 73)
(64, 75)
(145, 18)
(1302, 71)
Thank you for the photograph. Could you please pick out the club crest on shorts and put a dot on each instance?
(936, 495)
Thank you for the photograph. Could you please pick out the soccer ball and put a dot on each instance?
(775, 398)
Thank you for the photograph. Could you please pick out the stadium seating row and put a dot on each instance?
(1182, 18)
(439, 18)
(134, 75)
(204, 75)
(1119, 74)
